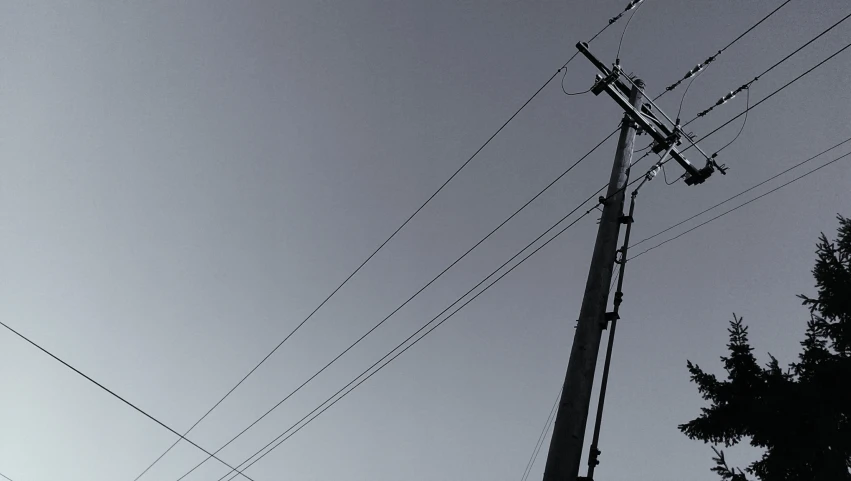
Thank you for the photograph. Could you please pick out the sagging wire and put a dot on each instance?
(565, 75)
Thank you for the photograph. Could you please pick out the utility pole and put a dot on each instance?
(565, 450)
(568, 437)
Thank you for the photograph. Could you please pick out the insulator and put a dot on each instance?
(694, 71)
(653, 172)
(632, 5)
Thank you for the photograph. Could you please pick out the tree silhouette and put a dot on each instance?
(800, 417)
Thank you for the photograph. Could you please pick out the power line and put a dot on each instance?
(742, 205)
(743, 192)
(432, 320)
(733, 93)
(541, 438)
(398, 229)
(6, 477)
(411, 298)
(119, 397)
(711, 59)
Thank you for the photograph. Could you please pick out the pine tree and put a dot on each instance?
(800, 417)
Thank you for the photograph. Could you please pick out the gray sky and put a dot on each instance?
(183, 182)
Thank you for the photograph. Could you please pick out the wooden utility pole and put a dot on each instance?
(568, 437)
(565, 450)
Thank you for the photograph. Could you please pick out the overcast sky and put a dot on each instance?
(181, 183)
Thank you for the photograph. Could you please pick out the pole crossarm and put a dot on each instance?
(664, 137)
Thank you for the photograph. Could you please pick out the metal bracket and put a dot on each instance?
(626, 219)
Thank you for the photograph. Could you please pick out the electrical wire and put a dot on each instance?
(140, 410)
(711, 59)
(411, 298)
(6, 477)
(733, 93)
(541, 439)
(742, 192)
(742, 205)
(323, 409)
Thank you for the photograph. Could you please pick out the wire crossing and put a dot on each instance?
(140, 410)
